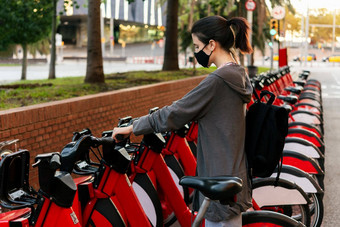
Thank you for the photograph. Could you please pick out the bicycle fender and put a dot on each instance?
(305, 181)
(265, 193)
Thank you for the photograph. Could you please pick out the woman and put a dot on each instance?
(218, 104)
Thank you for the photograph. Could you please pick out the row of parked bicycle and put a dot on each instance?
(151, 183)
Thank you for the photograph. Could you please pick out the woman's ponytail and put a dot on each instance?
(242, 34)
(231, 34)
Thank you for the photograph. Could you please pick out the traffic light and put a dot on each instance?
(273, 26)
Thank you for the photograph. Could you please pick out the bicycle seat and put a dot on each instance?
(290, 99)
(221, 188)
(296, 90)
(300, 83)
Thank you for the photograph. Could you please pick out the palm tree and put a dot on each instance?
(51, 74)
(171, 39)
(94, 69)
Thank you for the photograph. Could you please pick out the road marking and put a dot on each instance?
(335, 86)
(336, 79)
(333, 95)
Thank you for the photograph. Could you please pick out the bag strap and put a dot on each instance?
(262, 94)
(279, 169)
(272, 96)
(255, 94)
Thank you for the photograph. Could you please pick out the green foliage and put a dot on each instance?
(6, 18)
(24, 22)
(70, 3)
(322, 16)
(7, 51)
(42, 46)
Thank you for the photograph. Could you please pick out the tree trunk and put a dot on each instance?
(51, 74)
(191, 15)
(252, 60)
(94, 69)
(171, 39)
(209, 9)
(239, 7)
(24, 62)
(241, 57)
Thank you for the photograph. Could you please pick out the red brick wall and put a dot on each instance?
(48, 127)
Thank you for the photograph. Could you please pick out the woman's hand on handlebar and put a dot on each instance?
(118, 132)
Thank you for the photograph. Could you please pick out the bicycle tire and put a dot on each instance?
(193, 148)
(316, 211)
(148, 198)
(177, 173)
(107, 210)
(299, 212)
(320, 180)
(268, 218)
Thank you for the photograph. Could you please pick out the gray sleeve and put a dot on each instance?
(192, 106)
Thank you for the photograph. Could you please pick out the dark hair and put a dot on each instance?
(229, 33)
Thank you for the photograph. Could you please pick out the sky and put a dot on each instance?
(301, 5)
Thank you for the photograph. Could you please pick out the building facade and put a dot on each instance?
(122, 22)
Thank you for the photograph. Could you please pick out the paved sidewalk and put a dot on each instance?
(330, 80)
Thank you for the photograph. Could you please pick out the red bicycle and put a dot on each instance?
(50, 206)
(107, 198)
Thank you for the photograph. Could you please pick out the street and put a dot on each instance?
(330, 80)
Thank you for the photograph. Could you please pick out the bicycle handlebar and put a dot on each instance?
(77, 135)
(79, 151)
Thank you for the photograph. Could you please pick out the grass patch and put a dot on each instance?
(63, 88)
(262, 69)
(5, 64)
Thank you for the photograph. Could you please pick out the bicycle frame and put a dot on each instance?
(115, 188)
(151, 161)
(52, 208)
(54, 215)
(109, 198)
(178, 146)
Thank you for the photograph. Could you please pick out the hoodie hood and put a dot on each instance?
(237, 79)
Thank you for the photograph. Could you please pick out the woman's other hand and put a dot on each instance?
(125, 131)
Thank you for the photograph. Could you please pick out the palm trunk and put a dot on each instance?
(191, 15)
(240, 55)
(94, 69)
(171, 39)
(252, 60)
(24, 62)
(51, 74)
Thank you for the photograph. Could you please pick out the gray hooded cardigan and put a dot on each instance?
(218, 104)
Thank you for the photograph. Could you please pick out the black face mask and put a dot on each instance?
(202, 57)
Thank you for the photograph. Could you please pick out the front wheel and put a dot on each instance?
(316, 209)
(299, 212)
(177, 173)
(148, 198)
(268, 218)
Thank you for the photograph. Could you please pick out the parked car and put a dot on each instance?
(275, 57)
(332, 58)
(310, 57)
